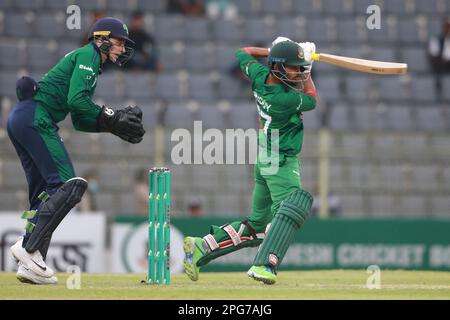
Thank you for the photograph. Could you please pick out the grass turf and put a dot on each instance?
(325, 284)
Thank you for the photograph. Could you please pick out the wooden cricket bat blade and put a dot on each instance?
(362, 65)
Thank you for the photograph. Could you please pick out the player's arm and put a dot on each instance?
(256, 52)
(84, 123)
(296, 102)
(247, 59)
(309, 87)
(309, 99)
(87, 116)
(83, 110)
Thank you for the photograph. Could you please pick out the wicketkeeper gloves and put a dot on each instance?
(125, 123)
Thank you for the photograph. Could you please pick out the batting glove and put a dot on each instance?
(278, 40)
(309, 48)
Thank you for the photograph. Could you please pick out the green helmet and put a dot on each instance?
(288, 53)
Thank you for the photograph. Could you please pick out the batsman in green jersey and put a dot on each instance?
(283, 91)
(67, 88)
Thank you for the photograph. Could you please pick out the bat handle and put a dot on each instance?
(315, 56)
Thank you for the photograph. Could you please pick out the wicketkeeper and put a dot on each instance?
(283, 91)
(32, 127)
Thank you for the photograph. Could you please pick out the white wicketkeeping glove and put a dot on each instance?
(308, 49)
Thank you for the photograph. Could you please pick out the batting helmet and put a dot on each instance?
(287, 53)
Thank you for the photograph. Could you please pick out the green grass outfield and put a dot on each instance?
(330, 284)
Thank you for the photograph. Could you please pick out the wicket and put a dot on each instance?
(159, 226)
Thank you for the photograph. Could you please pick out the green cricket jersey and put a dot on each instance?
(69, 87)
(279, 106)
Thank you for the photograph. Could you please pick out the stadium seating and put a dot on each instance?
(339, 118)
(389, 142)
(156, 6)
(11, 55)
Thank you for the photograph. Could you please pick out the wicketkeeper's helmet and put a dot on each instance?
(106, 28)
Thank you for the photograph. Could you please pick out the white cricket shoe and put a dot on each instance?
(31, 261)
(27, 276)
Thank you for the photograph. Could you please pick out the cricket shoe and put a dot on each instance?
(32, 261)
(193, 250)
(262, 273)
(27, 276)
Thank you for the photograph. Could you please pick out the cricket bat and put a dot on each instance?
(362, 65)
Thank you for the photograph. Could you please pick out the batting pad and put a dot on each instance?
(54, 210)
(288, 220)
(223, 251)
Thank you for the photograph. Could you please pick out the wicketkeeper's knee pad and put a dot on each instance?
(54, 210)
(235, 242)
